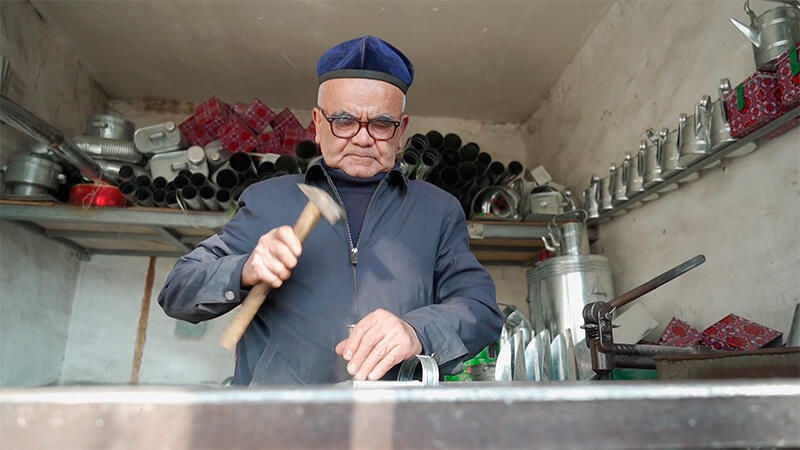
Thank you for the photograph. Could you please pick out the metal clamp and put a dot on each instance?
(430, 370)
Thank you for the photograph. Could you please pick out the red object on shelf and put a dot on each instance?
(679, 334)
(269, 142)
(788, 70)
(212, 114)
(102, 195)
(754, 103)
(258, 115)
(737, 333)
(194, 133)
(285, 120)
(236, 136)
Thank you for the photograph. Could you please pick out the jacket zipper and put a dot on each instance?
(354, 248)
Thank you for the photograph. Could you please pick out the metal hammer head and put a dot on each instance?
(328, 207)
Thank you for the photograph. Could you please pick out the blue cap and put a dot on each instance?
(367, 57)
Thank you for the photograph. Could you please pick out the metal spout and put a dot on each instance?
(750, 33)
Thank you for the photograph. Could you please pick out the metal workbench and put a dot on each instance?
(472, 415)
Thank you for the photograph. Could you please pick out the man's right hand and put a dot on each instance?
(273, 258)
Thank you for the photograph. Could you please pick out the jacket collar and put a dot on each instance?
(317, 171)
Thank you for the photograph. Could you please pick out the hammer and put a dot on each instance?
(319, 204)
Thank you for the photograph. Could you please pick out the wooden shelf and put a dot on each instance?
(140, 231)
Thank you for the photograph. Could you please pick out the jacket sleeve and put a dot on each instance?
(206, 282)
(464, 317)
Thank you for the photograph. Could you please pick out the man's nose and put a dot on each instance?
(362, 138)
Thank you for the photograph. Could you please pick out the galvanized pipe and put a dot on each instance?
(408, 162)
(208, 197)
(469, 152)
(225, 200)
(25, 121)
(452, 141)
(305, 151)
(467, 172)
(451, 158)
(225, 178)
(128, 190)
(495, 171)
(144, 197)
(105, 148)
(428, 161)
(160, 183)
(266, 169)
(143, 181)
(435, 139)
(180, 182)
(287, 163)
(160, 197)
(243, 165)
(114, 170)
(192, 199)
(172, 200)
(198, 180)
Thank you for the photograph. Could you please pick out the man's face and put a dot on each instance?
(364, 100)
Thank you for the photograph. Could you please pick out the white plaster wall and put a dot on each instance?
(103, 330)
(37, 276)
(643, 64)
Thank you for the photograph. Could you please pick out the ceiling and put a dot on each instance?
(487, 60)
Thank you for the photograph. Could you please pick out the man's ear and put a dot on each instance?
(316, 116)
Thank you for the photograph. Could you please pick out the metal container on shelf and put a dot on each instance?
(655, 160)
(694, 136)
(619, 183)
(590, 196)
(109, 127)
(771, 33)
(670, 152)
(32, 175)
(634, 170)
(169, 164)
(159, 138)
(604, 195)
(559, 288)
(651, 171)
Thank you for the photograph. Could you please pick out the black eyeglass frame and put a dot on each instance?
(361, 124)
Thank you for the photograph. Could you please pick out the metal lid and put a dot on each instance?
(195, 155)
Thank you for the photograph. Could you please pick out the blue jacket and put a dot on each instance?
(412, 259)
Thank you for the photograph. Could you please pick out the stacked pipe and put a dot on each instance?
(461, 169)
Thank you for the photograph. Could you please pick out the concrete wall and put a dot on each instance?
(102, 334)
(643, 64)
(37, 276)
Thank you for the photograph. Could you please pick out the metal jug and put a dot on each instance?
(771, 33)
(642, 161)
(694, 136)
(629, 169)
(619, 183)
(654, 164)
(604, 195)
(590, 198)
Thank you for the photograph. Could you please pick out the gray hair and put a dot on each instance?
(320, 94)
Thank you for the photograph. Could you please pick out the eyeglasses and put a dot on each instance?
(347, 127)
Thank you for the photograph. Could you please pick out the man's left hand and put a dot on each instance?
(378, 342)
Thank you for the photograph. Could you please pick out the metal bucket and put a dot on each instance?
(559, 288)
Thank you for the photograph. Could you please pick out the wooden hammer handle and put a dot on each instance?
(251, 304)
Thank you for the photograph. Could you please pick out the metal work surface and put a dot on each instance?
(701, 163)
(471, 415)
(171, 233)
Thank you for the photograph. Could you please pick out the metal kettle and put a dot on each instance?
(772, 32)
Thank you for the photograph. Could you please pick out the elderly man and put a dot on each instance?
(399, 267)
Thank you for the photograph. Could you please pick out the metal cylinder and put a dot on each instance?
(428, 161)
(559, 288)
(305, 151)
(450, 157)
(172, 199)
(482, 161)
(111, 170)
(604, 195)
(191, 197)
(208, 196)
(216, 154)
(433, 177)
(110, 127)
(495, 171)
(144, 197)
(467, 171)
(694, 137)
(225, 178)
(180, 182)
(160, 183)
(128, 190)
(669, 152)
(513, 170)
(143, 181)
(198, 180)
(590, 198)
(408, 162)
(225, 200)
(452, 141)
(619, 184)
(652, 163)
(243, 165)
(573, 239)
(435, 139)
(469, 152)
(129, 172)
(32, 175)
(287, 163)
(160, 197)
(449, 177)
(266, 169)
(418, 143)
(104, 148)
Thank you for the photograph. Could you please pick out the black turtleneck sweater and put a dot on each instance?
(355, 193)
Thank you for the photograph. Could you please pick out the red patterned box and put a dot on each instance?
(736, 333)
(212, 114)
(236, 136)
(285, 120)
(788, 69)
(755, 102)
(258, 115)
(679, 334)
(269, 142)
(194, 133)
(291, 137)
